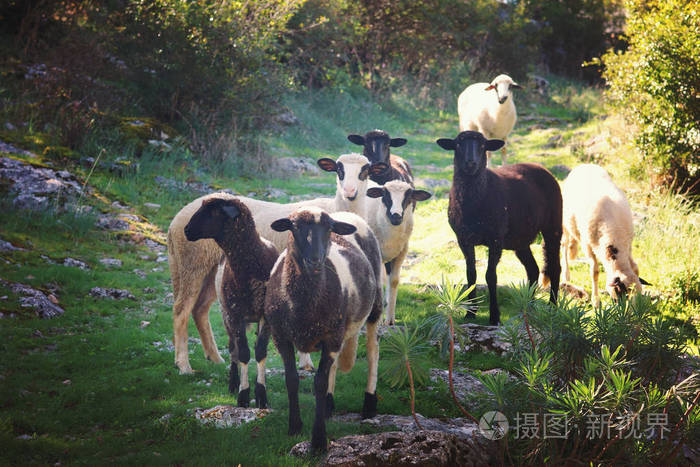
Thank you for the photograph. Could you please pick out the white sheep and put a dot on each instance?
(193, 265)
(597, 215)
(489, 109)
(390, 216)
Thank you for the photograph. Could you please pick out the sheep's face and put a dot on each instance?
(397, 197)
(503, 85)
(311, 231)
(623, 284)
(377, 144)
(352, 172)
(470, 150)
(212, 218)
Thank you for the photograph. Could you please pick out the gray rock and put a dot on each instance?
(488, 338)
(111, 262)
(32, 186)
(464, 383)
(153, 206)
(75, 263)
(161, 259)
(305, 196)
(110, 222)
(292, 166)
(274, 193)
(287, 117)
(553, 141)
(153, 245)
(9, 126)
(225, 416)
(114, 294)
(197, 187)
(560, 169)
(41, 304)
(421, 448)
(7, 246)
(540, 84)
(432, 182)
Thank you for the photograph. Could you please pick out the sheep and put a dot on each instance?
(598, 217)
(193, 266)
(376, 144)
(490, 113)
(322, 289)
(503, 208)
(240, 285)
(391, 220)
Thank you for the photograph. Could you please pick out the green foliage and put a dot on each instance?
(454, 302)
(655, 84)
(401, 346)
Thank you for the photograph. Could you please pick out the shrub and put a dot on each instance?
(655, 84)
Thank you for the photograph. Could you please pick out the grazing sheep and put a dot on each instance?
(240, 285)
(391, 220)
(321, 291)
(598, 217)
(193, 267)
(489, 109)
(376, 144)
(503, 208)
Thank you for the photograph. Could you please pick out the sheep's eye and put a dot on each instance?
(340, 171)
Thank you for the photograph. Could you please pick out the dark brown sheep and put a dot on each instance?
(240, 285)
(322, 289)
(376, 147)
(503, 208)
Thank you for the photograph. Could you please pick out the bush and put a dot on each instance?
(655, 84)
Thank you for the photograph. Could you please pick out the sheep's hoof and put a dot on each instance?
(184, 369)
(260, 396)
(330, 405)
(319, 446)
(369, 408)
(216, 358)
(244, 398)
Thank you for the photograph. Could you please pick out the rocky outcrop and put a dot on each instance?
(486, 338)
(42, 305)
(225, 416)
(419, 448)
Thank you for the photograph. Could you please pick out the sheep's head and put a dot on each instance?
(311, 229)
(353, 171)
(503, 85)
(621, 280)
(214, 218)
(470, 150)
(397, 196)
(376, 144)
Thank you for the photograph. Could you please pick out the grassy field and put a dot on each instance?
(98, 386)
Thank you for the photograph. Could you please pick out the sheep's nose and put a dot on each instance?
(501, 100)
(350, 193)
(396, 219)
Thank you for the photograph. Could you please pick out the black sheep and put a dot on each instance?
(240, 285)
(376, 144)
(503, 208)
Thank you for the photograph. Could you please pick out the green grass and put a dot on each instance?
(91, 388)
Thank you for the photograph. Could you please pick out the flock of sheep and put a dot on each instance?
(311, 273)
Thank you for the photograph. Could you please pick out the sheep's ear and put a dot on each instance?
(515, 85)
(357, 139)
(364, 173)
(375, 192)
(397, 142)
(643, 282)
(420, 195)
(343, 228)
(446, 143)
(327, 164)
(490, 87)
(494, 144)
(231, 211)
(378, 168)
(282, 225)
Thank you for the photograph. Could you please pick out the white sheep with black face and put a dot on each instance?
(597, 216)
(390, 216)
(489, 109)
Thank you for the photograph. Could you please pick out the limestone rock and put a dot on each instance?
(225, 416)
(488, 338)
(33, 187)
(114, 294)
(42, 306)
(420, 448)
(111, 262)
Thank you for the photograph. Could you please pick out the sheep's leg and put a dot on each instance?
(470, 259)
(527, 260)
(181, 315)
(394, 284)
(369, 407)
(260, 357)
(593, 263)
(495, 251)
(201, 318)
(552, 264)
(291, 379)
(386, 275)
(243, 358)
(504, 156)
(330, 403)
(565, 238)
(318, 434)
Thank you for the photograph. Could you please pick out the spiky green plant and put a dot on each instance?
(453, 298)
(405, 355)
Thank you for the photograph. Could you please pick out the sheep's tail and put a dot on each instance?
(346, 359)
